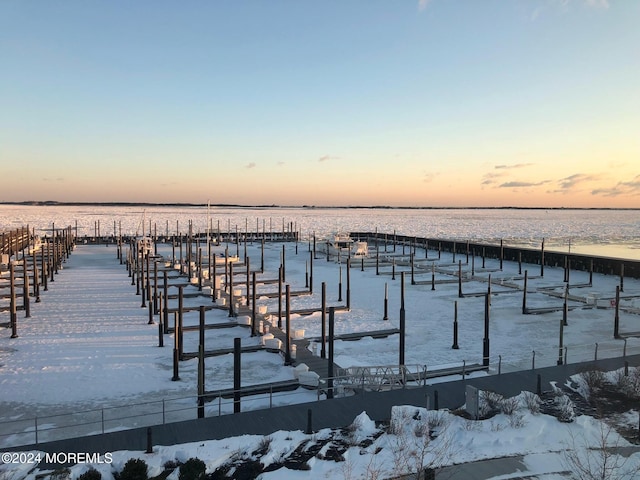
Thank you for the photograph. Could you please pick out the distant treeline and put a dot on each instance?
(234, 205)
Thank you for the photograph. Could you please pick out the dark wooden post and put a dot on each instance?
(180, 320)
(622, 277)
(165, 309)
(473, 263)
(565, 306)
(160, 326)
(25, 288)
(213, 278)
(201, 365)
(348, 284)
(36, 278)
(311, 256)
(393, 268)
(246, 259)
(176, 349)
(413, 280)
(616, 318)
(44, 264)
(323, 316)
(199, 269)
(330, 373)
(402, 322)
(542, 259)
(455, 326)
(524, 293)
(501, 253)
(280, 297)
(306, 274)
(230, 287)
(253, 304)
(561, 338)
(460, 279)
(13, 311)
(237, 362)
(386, 302)
(485, 341)
(287, 356)
(433, 276)
(54, 270)
(340, 284)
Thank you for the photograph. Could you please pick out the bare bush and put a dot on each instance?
(509, 406)
(490, 403)
(599, 461)
(629, 384)
(532, 402)
(517, 420)
(591, 381)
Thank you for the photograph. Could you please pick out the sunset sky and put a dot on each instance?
(294, 102)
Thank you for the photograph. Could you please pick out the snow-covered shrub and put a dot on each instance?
(509, 406)
(490, 403)
(91, 474)
(134, 469)
(629, 384)
(566, 412)
(404, 418)
(516, 420)
(61, 474)
(531, 402)
(192, 469)
(590, 382)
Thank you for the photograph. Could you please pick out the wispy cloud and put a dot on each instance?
(631, 188)
(280, 164)
(518, 184)
(572, 181)
(491, 178)
(324, 158)
(250, 165)
(515, 165)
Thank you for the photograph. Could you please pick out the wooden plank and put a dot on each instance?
(260, 389)
(360, 335)
(222, 351)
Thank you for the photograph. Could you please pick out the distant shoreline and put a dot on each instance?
(312, 207)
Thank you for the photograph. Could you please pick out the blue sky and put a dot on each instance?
(439, 103)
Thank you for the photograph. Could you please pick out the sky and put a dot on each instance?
(530, 103)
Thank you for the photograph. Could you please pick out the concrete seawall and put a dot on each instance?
(597, 264)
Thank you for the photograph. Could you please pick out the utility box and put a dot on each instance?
(472, 404)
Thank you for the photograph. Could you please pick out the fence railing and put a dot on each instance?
(34, 430)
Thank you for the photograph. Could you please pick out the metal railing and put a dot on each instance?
(34, 430)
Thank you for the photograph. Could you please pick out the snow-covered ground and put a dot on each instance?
(87, 347)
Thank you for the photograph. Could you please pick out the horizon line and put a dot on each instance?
(234, 205)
